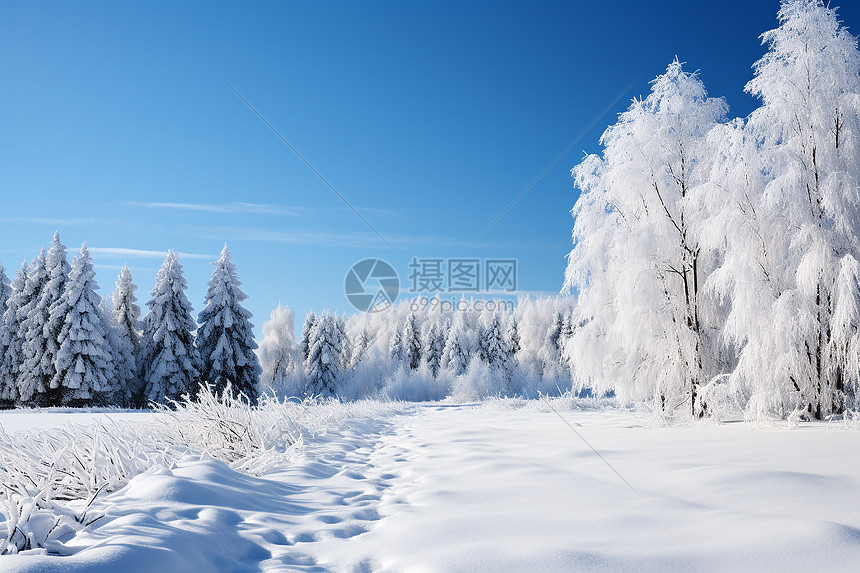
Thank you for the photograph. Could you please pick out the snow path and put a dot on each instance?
(471, 488)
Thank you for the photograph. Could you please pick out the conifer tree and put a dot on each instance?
(33, 380)
(85, 368)
(455, 356)
(5, 289)
(57, 268)
(412, 342)
(225, 338)
(359, 348)
(396, 348)
(512, 338)
(492, 348)
(169, 359)
(307, 327)
(325, 356)
(433, 345)
(553, 336)
(127, 328)
(12, 340)
(346, 346)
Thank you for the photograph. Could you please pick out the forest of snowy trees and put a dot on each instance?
(410, 353)
(716, 260)
(61, 344)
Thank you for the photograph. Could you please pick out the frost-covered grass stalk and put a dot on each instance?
(49, 478)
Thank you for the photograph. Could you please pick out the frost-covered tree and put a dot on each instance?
(412, 342)
(84, 363)
(307, 328)
(433, 344)
(326, 356)
(168, 358)
(34, 375)
(491, 345)
(396, 348)
(5, 294)
(554, 337)
(12, 340)
(127, 331)
(58, 271)
(278, 349)
(359, 348)
(843, 350)
(346, 346)
(512, 338)
(456, 355)
(5, 288)
(802, 155)
(225, 338)
(637, 260)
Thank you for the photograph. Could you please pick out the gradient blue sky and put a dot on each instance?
(118, 128)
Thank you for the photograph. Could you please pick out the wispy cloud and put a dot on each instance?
(54, 221)
(299, 237)
(240, 207)
(359, 239)
(118, 252)
(236, 207)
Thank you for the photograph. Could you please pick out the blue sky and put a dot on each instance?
(429, 117)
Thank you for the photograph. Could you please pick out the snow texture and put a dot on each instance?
(504, 486)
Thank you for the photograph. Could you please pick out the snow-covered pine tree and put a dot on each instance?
(325, 356)
(359, 348)
(168, 357)
(85, 369)
(33, 380)
(57, 268)
(412, 342)
(127, 327)
(512, 338)
(456, 355)
(5, 293)
(433, 344)
(307, 328)
(5, 288)
(491, 346)
(278, 348)
(553, 336)
(346, 347)
(637, 260)
(12, 341)
(396, 348)
(225, 338)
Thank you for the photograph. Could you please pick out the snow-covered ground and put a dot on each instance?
(495, 487)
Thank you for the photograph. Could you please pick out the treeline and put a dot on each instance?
(471, 350)
(716, 261)
(61, 344)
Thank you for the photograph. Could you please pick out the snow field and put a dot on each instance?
(503, 486)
